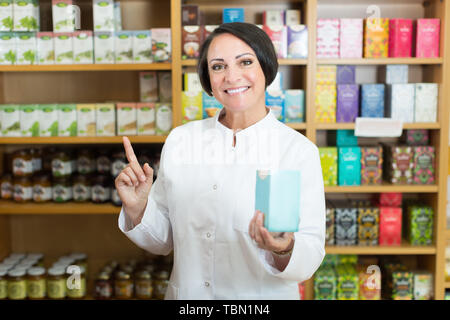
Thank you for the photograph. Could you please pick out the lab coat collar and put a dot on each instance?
(264, 121)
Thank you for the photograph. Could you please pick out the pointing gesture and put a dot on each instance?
(133, 184)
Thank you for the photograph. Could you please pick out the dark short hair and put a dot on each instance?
(252, 35)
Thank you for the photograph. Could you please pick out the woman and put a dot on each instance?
(202, 202)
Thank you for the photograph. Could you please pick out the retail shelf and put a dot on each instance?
(351, 125)
(297, 126)
(383, 188)
(381, 61)
(80, 140)
(13, 208)
(86, 67)
(403, 249)
(282, 62)
(447, 234)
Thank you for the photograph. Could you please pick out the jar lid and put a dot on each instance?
(16, 272)
(35, 256)
(3, 272)
(74, 268)
(143, 274)
(36, 271)
(162, 275)
(22, 152)
(122, 275)
(6, 266)
(11, 260)
(103, 275)
(56, 271)
(26, 264)
(78, 256)
(16, 255)
(66, 259)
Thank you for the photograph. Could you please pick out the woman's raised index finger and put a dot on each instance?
(129, 150)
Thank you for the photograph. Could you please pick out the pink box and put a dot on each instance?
(278, 35)
(327, 38)
(400, 37)
(391, 199)
(351, 38)
(427, 38)
(390, 226)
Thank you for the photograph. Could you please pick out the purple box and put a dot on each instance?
(347, 102)
(345, 75)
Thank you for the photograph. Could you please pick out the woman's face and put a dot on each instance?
(237, 80)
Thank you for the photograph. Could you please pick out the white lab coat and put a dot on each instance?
(203, 200)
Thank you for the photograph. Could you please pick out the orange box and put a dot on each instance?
(376, 38)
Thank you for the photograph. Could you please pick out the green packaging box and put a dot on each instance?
(328, 161)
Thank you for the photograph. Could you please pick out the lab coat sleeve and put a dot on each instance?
(309, 245)
(154, 232)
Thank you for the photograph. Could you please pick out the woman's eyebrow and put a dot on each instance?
(237, 57)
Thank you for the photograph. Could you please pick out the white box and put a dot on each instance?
(83, 47)
(26, 15)
(7, 48)
(117, 16)
(67, 120)
(45, 48)
(126, 119)
(63, 16)
(86, 118)
(6, 15)
(165, 86)
(26, 48)
(161, 44)
(104, 47)
(106, 119)
(145, 112)
(10, 120)
(142, 46)
(192, 82)
(292, 17)
(163, 118)
(48, 120)
(273, 17)
(29, 120)
(426, 102)
(123, 46)
(148, 86)
(103, 11)
(63, 48)
(400, 102)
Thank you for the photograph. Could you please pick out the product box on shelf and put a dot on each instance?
(427, 38)
(347, 102)
(278, 35)
(45, 48)
(346, 138)
(233, 15)
(161, 44)
(208, 29)
(402, 285)
(351, 38)
(123, 46)
(349, 167)
(372, 100)
(87, 122)
(126, 119)
(117, 16)
(369, 283)
(67, 120)
(390, 228)
(29, 120)
(345, 74)
(210, 105)
(390, 199)
(297, 41)
(165, 86)
(191, 106)
(376, 38)
(190, 15)
(325, 284)
(192, 38)
(294, 105)
(326, 74)
(424, 165)
(292, 17)
(7, 48)
(347, 282)
(163, 118)
(371, 165)
(399, 164)
(103, 14)
(420, 225)
(329, 234)
(368, 224)
(400, 102)
(191, 82)
(142, 46)
(6, 15)
(275, 101)
(26, 46)
(426, 97)
(148, 86)
(10, 120)
(394, 73)
(104, 47)
(400, 37)
(48, 120)
(145, 114)
(106, 119)
(273, 17)
(325, 103)
(346, 226)
(328, 161)
(63, 48)
(83, 47)
(327, 38)
(423, 285)
(26, 15)
(417, 137)
(63, 16)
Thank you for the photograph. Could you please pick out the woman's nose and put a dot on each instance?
(232, 74)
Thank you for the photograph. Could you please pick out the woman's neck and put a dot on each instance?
(237, 121)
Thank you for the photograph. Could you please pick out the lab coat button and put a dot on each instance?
(206, 284)
(215, 187)
(208, 235)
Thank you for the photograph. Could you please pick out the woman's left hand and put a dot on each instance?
(272, 241)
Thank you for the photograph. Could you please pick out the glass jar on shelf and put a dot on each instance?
(101, 189)
(22, 163)
(63, 164)
(103, 286)
(103, 162)
(123, 285)
(3, 284)
(23, 189)
(56, 283)
(76, 282)
(6, 187)
(82, 190)
(160, 283)
(62, 189)
(86, 162)
(36, 283)
(143, 284)
(119, 163)
(17, 285)
(42, 188)
(36, 159)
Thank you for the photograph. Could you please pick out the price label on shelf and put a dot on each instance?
(378, 127)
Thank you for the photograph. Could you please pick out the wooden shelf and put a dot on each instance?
(297, 126)
(13, 208)
(381, 61)
(86, 67)
(80, 140)
(281, 62)
(447, 234)
(383, 188)
(403, 249)
(351, 126)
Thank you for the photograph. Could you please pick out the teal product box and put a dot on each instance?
(210, 106)
(277, 195)
(294, 105)
(233, 15)
(275, 101)
(349, 166)
(346, 138)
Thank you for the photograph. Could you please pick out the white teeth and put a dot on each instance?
(237, 90)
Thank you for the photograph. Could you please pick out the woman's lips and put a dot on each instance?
(238, 90)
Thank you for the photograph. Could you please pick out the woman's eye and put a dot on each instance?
(217, 67)
(246, 62)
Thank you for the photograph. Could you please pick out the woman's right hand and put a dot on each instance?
(133, 185)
